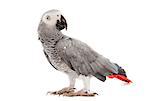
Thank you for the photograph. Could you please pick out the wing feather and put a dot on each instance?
(83, 59)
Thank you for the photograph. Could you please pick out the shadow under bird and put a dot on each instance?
(73, 57)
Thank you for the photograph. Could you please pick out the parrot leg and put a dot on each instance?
(83, 92)
(67, 90)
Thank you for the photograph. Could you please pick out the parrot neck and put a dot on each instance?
(49, 34)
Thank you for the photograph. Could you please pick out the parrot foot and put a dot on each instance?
(62, 91)
(80, 93)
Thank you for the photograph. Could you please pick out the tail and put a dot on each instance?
(121, 75)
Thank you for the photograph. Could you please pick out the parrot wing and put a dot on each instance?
(83, 60)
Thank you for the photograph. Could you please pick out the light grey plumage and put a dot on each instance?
(70, 55)
(83, 59)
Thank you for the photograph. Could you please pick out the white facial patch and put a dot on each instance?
(51, 17)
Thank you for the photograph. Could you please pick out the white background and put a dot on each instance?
(117, 29)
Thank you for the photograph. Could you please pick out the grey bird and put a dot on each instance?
(73, 57)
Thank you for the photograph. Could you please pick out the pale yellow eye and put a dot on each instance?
(48, 17)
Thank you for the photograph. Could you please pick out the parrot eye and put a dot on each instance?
(48, 17)
(57, 15)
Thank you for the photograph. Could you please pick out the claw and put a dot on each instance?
(50, 93)
(95, 93)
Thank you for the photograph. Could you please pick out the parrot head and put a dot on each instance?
(54, 18)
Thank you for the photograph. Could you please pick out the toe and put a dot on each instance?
(62, 91)
(86, 93)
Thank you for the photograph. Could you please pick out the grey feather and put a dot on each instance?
(83, 59)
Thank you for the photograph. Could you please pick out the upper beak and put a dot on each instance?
(63, 22)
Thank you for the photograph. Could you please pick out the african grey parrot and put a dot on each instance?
(72, 56)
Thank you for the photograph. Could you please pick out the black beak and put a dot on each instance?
(60, 25)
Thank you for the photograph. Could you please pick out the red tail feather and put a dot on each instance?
(121, 77)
